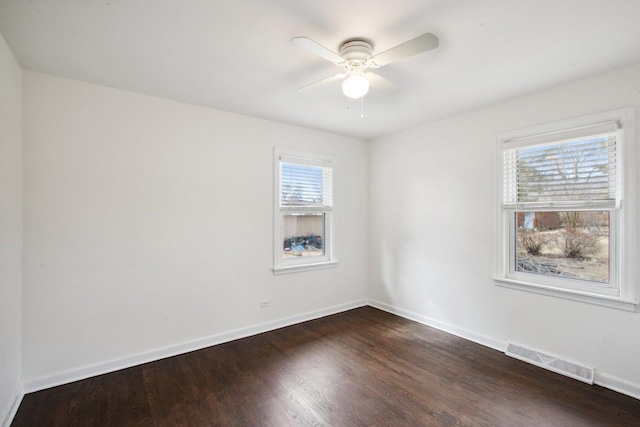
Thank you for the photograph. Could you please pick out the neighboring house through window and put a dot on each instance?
(304, 206)
(563, 216)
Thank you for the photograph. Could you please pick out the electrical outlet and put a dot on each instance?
(265, 303)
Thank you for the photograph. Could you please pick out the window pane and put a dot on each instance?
(303, 235)
(570, 244)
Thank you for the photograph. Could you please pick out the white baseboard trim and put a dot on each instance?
(454, 330)
(616, 384)
(601, 379)
(10, 412)
(87, 371)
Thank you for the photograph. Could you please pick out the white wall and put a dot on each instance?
(433, 229)
(149, 223)
(10, 231)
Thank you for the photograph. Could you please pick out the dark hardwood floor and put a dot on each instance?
(363, 367)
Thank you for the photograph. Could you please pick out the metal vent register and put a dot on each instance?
(552, 363)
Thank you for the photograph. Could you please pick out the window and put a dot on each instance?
(562, 212)
(304, 204)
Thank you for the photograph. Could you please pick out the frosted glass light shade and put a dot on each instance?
(355, 86)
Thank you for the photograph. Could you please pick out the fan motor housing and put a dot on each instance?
(356, 50)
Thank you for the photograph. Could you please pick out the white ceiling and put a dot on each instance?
(235, 55)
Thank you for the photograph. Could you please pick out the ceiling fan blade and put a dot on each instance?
(322, 82)
(381, 84)
(317, 49)
(412, 47)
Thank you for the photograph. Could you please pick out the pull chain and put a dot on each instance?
(361, 107)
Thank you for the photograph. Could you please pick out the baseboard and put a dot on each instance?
(616, 384)
(88, 371)
(601, 379)
(454, 330)
(10, 412)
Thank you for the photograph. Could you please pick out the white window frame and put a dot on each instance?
(620, 293)
(281, 265)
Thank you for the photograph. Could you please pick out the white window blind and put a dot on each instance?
(305, 185)
(572, 168)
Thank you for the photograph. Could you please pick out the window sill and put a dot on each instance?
(601, 300)
(304, 267)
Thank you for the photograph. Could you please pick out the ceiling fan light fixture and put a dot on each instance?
(356, 57)
(355, 86)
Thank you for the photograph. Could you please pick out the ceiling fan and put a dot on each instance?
(356, 58)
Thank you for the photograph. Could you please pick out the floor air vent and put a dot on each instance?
(552, 363)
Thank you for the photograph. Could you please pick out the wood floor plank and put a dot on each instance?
(364, 367)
